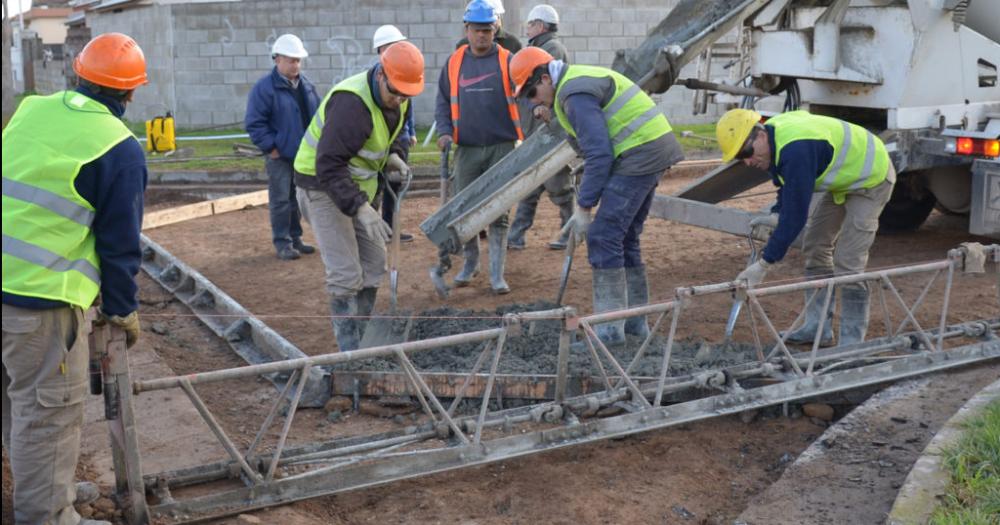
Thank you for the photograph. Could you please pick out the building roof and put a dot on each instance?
(36, 13)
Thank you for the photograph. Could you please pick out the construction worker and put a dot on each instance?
(506, 40)
(476, 110)
(627, 146)
(278, 110)
(850, 168)
(352, 138)
(541, 26)
(384, 37)
(73, 179)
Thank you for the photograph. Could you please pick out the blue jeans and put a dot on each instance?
(286, 225)
(613, 237)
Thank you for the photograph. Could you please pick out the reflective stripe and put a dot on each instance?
(310, 139)
(361, 173)
(47, 259)
(48, 200)
(620, 102)
(845, 145)
(866, 171)
(636, 123)
(454, 99)
(371, 155)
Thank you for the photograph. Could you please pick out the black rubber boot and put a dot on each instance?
(523, 219)
(345, 327)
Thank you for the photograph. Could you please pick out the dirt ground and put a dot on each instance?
(698, 473)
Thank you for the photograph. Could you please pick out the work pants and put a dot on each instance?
(613, 237)
(286, 226)
(838, 236)
(473, 161)
(353, 260)
(560, 189)
(45, 358)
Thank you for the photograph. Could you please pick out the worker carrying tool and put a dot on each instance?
(627, 146)
(353, 136)
(476, 110)
(73, 179)
(541, 26)
(278, 110)
(850, 168)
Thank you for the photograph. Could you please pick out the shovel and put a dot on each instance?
(567, 266)
(394, 327)
(734, 312)
(444, 259)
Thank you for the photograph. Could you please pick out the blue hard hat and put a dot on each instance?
(479, 12)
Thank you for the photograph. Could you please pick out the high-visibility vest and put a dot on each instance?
(631, 116)
(455, 64)
(860, 160)
(366, 164)
(48, 246)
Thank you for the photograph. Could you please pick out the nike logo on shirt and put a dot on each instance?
(466, 82)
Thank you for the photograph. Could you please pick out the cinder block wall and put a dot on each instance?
(205, 57)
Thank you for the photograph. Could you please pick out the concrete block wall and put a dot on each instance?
(205, 57)
(50, 76)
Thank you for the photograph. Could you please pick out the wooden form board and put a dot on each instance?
(203, 209)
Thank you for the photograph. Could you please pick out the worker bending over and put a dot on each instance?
(73, 179)
(627, 146)
(352, 138)
(850, 168)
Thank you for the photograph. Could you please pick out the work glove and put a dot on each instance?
(754, 274)
(396, 170)
(129, 324)
(766, 221)
(375, 228)
(444, 141)
(577, 225)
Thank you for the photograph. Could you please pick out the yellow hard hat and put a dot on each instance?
(733, 130)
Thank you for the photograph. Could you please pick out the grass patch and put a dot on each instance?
(973, 497)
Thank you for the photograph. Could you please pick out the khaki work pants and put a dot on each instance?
(838, 236)
(353, 260)
(45, 358)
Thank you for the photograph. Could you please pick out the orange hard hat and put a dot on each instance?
(112, 60)
(403, 64)
(524, 63)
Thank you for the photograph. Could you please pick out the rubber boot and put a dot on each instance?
(814, 307)
(366, 303)
(345, 328)
(470, 268)
(523, 219)
(638, 295)
(853, 314)
(565, 212)
(498, 256)
(610, 294)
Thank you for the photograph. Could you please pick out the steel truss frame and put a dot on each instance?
(255, 478)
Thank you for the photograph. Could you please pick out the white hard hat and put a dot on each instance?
(387, 34)
(497, 6)
(545, 13)
(290, 46)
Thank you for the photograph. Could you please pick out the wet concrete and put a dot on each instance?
(536, 352)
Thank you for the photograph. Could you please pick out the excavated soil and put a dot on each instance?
(704, 472)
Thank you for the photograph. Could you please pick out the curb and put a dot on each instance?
(927, 481)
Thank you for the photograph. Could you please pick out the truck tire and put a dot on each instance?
(908, 207)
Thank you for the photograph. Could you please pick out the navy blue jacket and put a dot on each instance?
(273, 118)
(802, 162)
(113, 184)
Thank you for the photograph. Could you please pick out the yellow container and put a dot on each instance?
(160, 135)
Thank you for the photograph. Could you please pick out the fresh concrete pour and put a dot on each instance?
(536, 353)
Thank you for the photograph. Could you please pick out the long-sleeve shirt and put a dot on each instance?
(802, 161)
(113, 184)
(347, 127)
(484, 119)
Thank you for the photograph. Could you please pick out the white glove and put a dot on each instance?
(375, 228)
(396, 170)
(767, 221)
(754, 274)
(578, 225)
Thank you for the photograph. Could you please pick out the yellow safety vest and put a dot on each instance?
(48, 246)
(368, 162)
